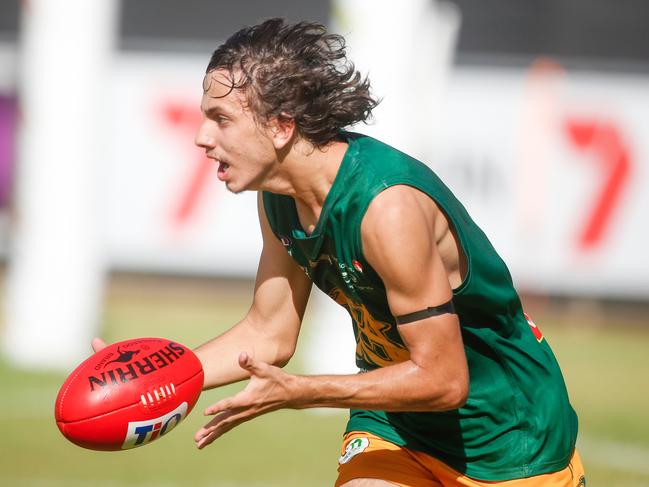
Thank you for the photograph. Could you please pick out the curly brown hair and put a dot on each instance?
(296, 71)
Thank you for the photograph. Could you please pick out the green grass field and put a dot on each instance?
(606, 365)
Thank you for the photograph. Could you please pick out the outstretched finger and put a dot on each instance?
(233, 403)
(211, 425)
(220, 425)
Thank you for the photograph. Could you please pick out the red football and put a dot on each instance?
(129, 394)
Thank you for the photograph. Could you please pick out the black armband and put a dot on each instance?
(442, 309)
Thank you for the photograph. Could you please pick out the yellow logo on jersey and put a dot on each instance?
(373, 343)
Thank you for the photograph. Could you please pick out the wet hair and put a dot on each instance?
(296, 71)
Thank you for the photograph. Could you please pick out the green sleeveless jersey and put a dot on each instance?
(517, 421)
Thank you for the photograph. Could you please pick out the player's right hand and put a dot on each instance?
(97, 344)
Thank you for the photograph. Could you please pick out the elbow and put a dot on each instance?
(281, 361)
(456, 394)
(452, 394)
(446, 391)
(283, 355)
(447, 396)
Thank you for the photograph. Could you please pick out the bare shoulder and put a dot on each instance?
(397, 202)
(399, 210)
(400, 222)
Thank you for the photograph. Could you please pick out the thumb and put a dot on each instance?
(248, 363)
(98, 344)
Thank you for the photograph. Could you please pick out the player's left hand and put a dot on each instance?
(269, 389)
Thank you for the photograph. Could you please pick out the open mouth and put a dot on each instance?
(223, 169)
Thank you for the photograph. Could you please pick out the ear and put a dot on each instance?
(282, 129)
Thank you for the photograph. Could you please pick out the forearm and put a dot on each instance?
(400, 387)
(219, 356)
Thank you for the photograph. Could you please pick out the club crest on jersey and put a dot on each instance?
(353, 448)
(142, 432)
(352, 276)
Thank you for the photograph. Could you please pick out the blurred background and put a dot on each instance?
(112, 223)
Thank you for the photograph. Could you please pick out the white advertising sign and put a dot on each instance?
(554, 167)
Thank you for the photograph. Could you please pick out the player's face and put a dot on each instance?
(232, 136)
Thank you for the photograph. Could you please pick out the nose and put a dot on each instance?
(204, 138)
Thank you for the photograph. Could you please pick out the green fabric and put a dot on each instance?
(517, 421)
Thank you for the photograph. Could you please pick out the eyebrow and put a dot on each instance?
(213, 111)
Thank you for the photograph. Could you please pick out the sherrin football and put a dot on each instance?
(129, 394)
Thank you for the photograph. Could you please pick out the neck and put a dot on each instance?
(307, 173)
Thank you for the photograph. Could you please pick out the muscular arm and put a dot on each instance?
(270, 329)
(399, 242)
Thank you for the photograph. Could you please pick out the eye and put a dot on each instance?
(220, 119)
